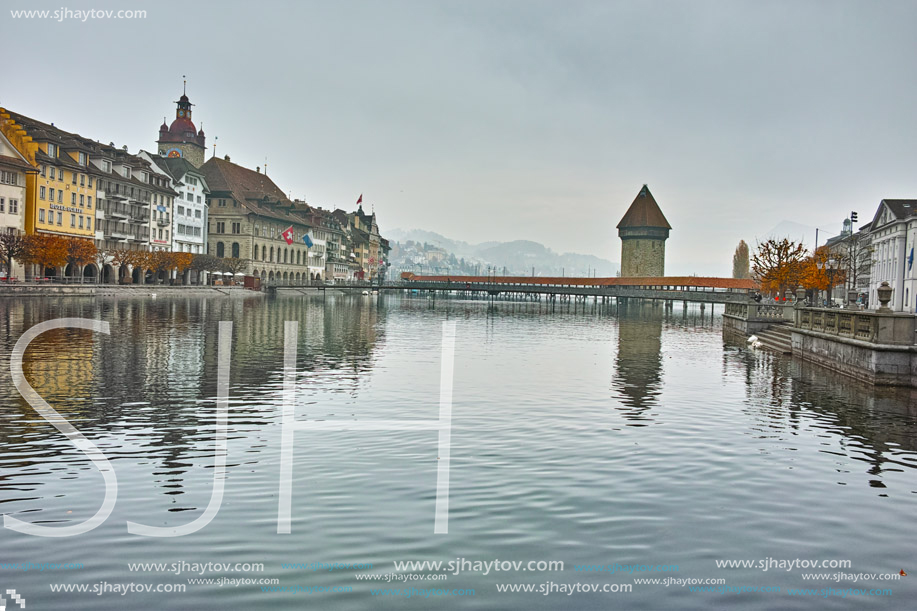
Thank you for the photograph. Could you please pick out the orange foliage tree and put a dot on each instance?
(80, 252)
(45, 250)
(822, 271)
(778, 265)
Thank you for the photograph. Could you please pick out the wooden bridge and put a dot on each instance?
(667, 288)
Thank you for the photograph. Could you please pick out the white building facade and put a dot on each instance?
(13, 168)
(189, 207)
(893, 234)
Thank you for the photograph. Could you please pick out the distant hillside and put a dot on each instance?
(417, 247)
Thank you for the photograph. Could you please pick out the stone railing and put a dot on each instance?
(761, 311)
(873, 327)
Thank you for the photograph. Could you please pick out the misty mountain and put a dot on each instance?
(519, 257)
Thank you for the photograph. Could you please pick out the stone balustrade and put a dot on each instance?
(888, 328)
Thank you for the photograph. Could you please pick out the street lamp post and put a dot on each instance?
(830, 266)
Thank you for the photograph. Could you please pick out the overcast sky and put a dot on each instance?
(511, 120)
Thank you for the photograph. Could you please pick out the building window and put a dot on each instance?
(60, 218)
(81, 221)
(220, 249)
(52, 151)
(181, 209)
(221, 203)
(82, 199)
(73, 175)
(73, 220)
(41, 215)
(197, 214)
(82, 180)
(82, 158)
(198, 199)
(106, 166)
(89, 201)
(60, 196)
(221, 227)
(73, 199)
(237, 227)
(51, 194)
(88, 222)
(53, 173)
(89, 182)
(235, 250)
(44, 171)
(41, 192)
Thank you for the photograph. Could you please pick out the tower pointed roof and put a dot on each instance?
(644, 212)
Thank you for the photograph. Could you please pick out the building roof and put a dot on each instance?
(902, 208)
(253, 190)
(644, 212)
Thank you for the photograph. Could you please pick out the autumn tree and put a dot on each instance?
(823, 270)
(80, 252)
(12, 247)
(778, 265)
(740, 261)
(234, 265)
(45, 250)
(124, 257)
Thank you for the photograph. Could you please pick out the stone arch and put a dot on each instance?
(137, 275)
(270, 276)
(235, 250)
(90, 273)
(221, 250)
(108, 274)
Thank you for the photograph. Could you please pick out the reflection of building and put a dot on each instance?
(638, 366)
(643, 232)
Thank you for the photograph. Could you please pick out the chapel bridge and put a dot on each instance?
(666, 288)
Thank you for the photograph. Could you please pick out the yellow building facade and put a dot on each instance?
(60, 198)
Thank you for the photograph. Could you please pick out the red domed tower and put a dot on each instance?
(182, 139)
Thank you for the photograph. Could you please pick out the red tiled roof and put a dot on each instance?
(644, 212)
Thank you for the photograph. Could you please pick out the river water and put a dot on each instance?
(592, 436)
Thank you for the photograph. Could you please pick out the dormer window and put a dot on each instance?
(106, 166)
(52, 150)
(82, 159)
(127, 172)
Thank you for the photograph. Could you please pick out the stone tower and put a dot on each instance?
(182, 139)
(643, 232)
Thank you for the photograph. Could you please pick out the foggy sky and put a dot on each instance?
(512, 120)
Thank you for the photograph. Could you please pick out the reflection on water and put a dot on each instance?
(638, 365)
(585, 433)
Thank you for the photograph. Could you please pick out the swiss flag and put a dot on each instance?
(288, 234)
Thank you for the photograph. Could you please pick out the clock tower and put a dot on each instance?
(181, 138)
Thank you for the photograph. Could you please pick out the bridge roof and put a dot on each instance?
(685, 281)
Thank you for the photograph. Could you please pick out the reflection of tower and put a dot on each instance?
(643, 232)
(638, 366)
(181, 139)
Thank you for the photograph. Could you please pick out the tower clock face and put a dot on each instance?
(173, 153)
(181, 113)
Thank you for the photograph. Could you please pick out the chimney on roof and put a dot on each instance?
(225, 157)
(258, 169)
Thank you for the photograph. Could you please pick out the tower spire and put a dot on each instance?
(184, 85)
